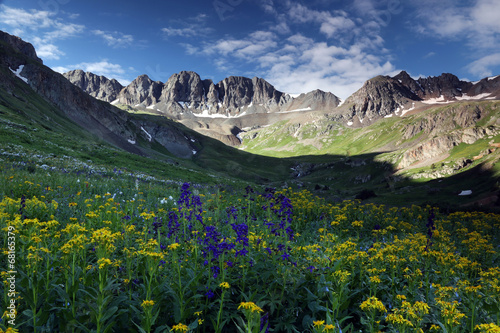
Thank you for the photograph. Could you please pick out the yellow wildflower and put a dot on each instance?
(488, 328)
(318, 323)
(147, 303)
(173, 246)
(180, 327)
(250, 306)
(224, 285)
(373, 303)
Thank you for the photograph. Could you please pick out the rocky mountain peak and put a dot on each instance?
(20, 46)
(141, 90)
(235, 91)
(379, 97)
(446, 85)
(96, 86)
(185, 86)
(315, 100)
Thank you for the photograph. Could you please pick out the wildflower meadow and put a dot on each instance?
(109, 251)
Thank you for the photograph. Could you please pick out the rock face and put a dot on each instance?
(446, 85)
(96, 86)
(486, 85)
(379, 97)
(186, 93)
(184, 87)
(18, 45)
(384, 95)
(315, 100)
(141, 91)
(444, 130)
(442, 144)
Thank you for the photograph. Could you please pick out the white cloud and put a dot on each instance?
(103, 67)
(342, 55)
(429, 55)
(34, 19)
(331, 24)
(115, 39)
(300, 64)
(482, 67)
(486, 13)
(47, 50)
(181, 32)
(330, 68)
(41, 28)
(190, 27)
(255, 44)
(268, 6)
(476, 24)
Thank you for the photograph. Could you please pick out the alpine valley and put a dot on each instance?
(397, 140)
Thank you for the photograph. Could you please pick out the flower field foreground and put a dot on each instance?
(114, 255)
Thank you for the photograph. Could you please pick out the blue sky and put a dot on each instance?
(296, 45)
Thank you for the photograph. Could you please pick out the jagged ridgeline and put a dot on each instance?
(393, 130)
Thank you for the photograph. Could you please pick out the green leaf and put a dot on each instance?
(141, 330)
(109, 312)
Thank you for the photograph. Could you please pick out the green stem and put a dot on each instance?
(33, 309)
(73, 308)
(219, 315)
(179, 281)
(100, 305)
(472, 316)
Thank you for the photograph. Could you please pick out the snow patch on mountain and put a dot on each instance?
(18, 73)
(150, 137)
(439, 100)
(466, 97)
(206, 114)
(297, 110)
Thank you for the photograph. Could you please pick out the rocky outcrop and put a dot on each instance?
(141, 91)
(447, 86)
(377, 98)
(185, 87)
(264, 93)
(314, 100)
(186, 91)
(486, 86)
(442, 144)
(384, 95)
(20, 46)
(96, 86)
(460, 116)
(174, 140)
(255, 95)
(235, 92)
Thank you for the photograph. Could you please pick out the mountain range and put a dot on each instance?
(392, 128)
(196, 102)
